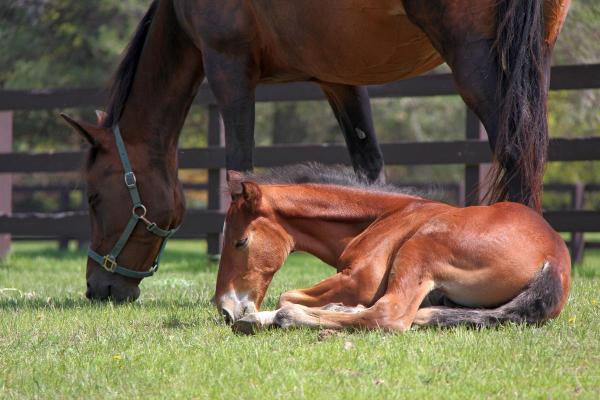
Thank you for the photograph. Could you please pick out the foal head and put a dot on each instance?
(111, 207)
(255, 246)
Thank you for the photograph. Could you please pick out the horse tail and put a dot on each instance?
(522, 139)
(541, 300)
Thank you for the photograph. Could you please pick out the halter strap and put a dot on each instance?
(138, 213)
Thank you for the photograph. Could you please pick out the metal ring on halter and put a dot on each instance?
(136, 207)
(142, 216)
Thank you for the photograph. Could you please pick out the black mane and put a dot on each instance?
(313, 172)
(123, 78)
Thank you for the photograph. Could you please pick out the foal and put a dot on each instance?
(306, 220)
(503, 256)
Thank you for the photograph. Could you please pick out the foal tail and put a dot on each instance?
(522, 141)
(541, 300)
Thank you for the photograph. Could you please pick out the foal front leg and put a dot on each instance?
(407, 284)
(352, 108)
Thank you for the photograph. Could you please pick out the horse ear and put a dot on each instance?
(90, 133)
(234, 181)
(101, 117)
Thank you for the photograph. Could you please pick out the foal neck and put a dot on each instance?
(323, 219)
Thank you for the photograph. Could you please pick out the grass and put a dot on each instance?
(171, 343)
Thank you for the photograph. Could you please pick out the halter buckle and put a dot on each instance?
(109, 263)
(130, 180)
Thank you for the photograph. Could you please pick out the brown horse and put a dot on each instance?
(499, 52)
(499, 263)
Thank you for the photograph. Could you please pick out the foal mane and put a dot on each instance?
(317, 173)
(123, 78)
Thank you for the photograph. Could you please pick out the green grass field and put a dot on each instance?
(172, 344)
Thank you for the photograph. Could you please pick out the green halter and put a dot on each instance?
(138, 213)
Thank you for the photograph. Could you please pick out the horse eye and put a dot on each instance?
(241, 243)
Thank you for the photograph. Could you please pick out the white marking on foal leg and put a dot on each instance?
(337, 307)
(254, 322)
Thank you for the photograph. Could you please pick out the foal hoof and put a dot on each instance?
(244, 327)
(250, 324)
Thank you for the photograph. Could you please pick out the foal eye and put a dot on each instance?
(241, 243)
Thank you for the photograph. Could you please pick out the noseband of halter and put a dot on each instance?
(138, 213)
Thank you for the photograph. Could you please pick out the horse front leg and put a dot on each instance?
(233, 82)
(352, 108)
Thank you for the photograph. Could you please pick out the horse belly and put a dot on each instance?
(348, 41)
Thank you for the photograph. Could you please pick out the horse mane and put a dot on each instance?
(123, 79)
(317, 173)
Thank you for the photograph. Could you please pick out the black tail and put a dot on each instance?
(522, 141)
(534, 305)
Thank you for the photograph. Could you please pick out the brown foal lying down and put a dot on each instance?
(499, 263)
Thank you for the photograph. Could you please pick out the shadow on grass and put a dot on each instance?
(68, 303)
(178, 260)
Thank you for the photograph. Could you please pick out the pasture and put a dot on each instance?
(172, 343)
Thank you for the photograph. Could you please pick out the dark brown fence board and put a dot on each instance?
(578, 221)
(74, 224)
(403, 153)
(50, 98)
(568, 77)
(201, 222)
(578, 149)
(41, 162)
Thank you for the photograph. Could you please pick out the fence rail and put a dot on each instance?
(471, 152)
(567, 77)
(407, 153)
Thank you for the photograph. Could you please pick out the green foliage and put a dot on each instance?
(172, 343)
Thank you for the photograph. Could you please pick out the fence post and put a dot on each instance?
(6, 139)
(475, 174)
(216, 177)
(577, 241)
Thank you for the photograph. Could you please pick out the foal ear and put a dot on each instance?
(234, 181)
(252, 194)
(92, 134)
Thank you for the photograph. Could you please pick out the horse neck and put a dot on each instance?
(323, 219)
(166, 80)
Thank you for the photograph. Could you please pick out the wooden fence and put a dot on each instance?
(472, 152)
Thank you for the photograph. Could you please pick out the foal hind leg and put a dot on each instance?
(352, 108)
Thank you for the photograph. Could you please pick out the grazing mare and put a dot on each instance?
(499, 263)
(498, 50)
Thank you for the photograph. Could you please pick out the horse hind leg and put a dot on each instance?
(501, 70)
(352, 108)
